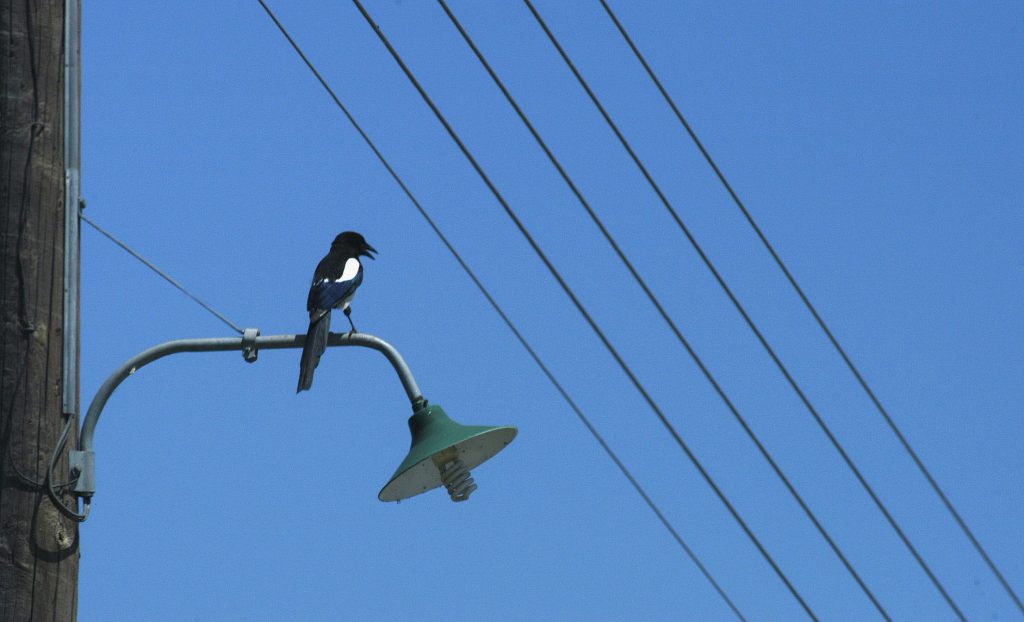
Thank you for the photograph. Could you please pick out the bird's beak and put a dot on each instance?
(369, 249)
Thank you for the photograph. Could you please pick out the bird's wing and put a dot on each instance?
(329, 294)
(329, 291)
(326, 295)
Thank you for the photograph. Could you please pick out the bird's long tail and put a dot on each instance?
(316, 343)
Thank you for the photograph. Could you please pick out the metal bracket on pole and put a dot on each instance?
(250, 352)
(83, 460)
(83, 469)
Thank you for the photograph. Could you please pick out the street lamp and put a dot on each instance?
(442, 451)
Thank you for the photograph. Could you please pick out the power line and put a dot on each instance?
(579, 306)
(665, 316)
(508, 322)
(746, 317)
(814, 312)
(166, 277)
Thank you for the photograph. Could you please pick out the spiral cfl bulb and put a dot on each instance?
(457, 479)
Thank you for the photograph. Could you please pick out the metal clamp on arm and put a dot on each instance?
(249, 350)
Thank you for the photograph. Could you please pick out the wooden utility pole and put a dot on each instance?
(38, 544)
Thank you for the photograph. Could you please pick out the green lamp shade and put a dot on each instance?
(435, 437)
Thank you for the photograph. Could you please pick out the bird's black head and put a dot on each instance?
(353, 243)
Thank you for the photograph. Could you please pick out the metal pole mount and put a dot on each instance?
(83, 460)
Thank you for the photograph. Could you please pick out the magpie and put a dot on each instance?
(335, 281)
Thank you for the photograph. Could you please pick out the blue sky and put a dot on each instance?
(877, 144)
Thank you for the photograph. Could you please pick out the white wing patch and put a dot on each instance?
(350, 271)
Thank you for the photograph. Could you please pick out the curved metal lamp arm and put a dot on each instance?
(83, 461)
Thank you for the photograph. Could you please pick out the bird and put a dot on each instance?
(335, 281)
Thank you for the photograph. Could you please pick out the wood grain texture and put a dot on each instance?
(38, 545)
